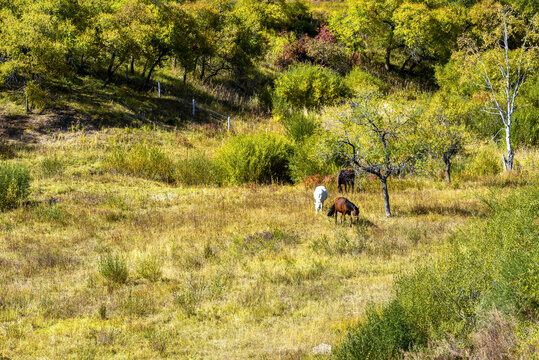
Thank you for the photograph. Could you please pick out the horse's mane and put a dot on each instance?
(350, 205)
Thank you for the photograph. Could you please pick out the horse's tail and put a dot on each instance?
(332, 210)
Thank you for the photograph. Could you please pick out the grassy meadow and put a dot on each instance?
(102, 262)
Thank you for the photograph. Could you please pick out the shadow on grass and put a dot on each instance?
(447, 210)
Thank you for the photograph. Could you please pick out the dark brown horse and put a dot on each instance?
(346, 177)
(345, 207)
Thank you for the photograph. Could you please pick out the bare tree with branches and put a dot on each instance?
(514, 71)
(375, 137)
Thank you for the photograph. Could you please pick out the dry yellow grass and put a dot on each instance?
(242, 272)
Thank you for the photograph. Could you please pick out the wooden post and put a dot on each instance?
(193, 107)
(159, 88)
(229, 123)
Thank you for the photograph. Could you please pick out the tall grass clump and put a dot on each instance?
(261, 158)
(14, 185)
(113, 268)
(485, 161)
(493, 264)
(51, 166)
(142, 160)
(195, 168)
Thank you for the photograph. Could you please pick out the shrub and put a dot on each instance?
(51, 166)
(261, 158)
(14, 185)
(141, 160)
(484, 162)
(491, 264)
(383, 335)
(113, 268)
(299, 126)
(195, 169)
(308, 86)
(150, 268)
(360, 81)
(307, 160)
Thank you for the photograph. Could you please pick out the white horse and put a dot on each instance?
(320, 195)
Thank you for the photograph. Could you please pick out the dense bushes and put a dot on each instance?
(14, 185)
(310, 87)
(261, 158)
(492, 264)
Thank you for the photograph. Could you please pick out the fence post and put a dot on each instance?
(193, 107)
(229, 123)
(159, 88)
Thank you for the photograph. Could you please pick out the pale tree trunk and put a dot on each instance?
(508, 161)
(513, 84)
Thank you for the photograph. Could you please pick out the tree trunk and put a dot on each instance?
(203, 69)
(152, 68)
(185, 76)
(388, 58)
(447, 161)
(132, 65)
(386, 196)
(508, 162)
(109, 69)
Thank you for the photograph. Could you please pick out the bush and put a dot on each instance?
(490, 265)
(484, 162)
(383, 335)
(14, 185)
(261, 158)
(310, 87)
(360, 81)
(299, 126)
(141, 160)
(150, 268)
(307, 160)
(113, 268)
(195, 169)
(51, 166)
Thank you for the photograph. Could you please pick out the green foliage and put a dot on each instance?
(51, 166)
(150, 268)
(14, 185)
(299, 126)
(195, 169)
(360, 81)
(143, 160)
(308, 86)
(484, 161)
(261, 158)
(383, 335)
(309, 159)
(489, 264)
(113, 268)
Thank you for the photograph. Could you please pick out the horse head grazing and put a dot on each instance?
(345, 207)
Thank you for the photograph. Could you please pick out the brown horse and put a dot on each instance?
(347, 178)
(345, 207)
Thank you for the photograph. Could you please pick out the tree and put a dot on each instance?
(398, 29)
(445, 138)
(515, 66)
(377, 136)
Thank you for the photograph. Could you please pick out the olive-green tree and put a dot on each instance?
(376, 135)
